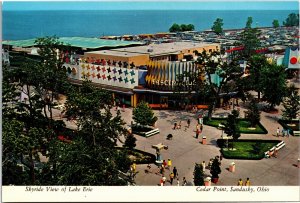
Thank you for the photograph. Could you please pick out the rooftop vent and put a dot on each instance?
(150, 50)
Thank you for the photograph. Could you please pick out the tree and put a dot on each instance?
(256, 63)
(212, 65)
(130, 141)
(143, 114)
(93, 146)
(273, 84)
(54, 79)
(292, 20)
(291, 103)
(249, 22)
(181, 28)
(275, 23)
(215, 169)
(253, 113)
(249, 39)
(231, 125)
(217, 27)
(190, 27)
(198, 175)
(175, 28)
(28, 79)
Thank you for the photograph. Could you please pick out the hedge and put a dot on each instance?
(250, 156)
(263, 130)
(150, 158)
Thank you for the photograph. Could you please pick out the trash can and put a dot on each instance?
(207, 181)
(204, 140)
(298, 162)
(232, 167)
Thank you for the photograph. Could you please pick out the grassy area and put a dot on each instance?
(244, 125)
(246, 148)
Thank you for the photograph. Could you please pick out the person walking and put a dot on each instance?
(184, 182)
(164, 163)
(240, 182)
(175, 126)
(247, 182)
(277, 132)
(133, 167)
(275, 154)
(169, 163)
(283, 132)
(201, 127)
(197, 133)
(178, 183)
(171, 178)
(179, 125)
(161, 182)
(203, 166)
(175, 172)
(164, 179)
(188, 122)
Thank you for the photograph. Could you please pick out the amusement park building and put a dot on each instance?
(137, 73)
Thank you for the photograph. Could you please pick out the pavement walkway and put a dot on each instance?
(185, 150)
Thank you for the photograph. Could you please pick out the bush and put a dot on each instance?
(141, 157)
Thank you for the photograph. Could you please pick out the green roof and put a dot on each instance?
(82, 42)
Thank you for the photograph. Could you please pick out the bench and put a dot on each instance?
(152, 132)
(270, 152)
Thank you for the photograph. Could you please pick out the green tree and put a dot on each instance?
(253, 113)
(14, 146)
(215, 169)
(256, 63)
(275, 23)
(292, 20)
(175, 28)
(249, 39)
(198, 175)
(53, 78)
(291, 103)
(93, 146)
(143, 114)
(212, 63)
(130, 141)
(249, 22)
(231, 125)
(217, 27)
(273, 84)
(190, 27)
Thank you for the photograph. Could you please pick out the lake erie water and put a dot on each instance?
(30, 24)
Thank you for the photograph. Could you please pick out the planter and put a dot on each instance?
(215, 180)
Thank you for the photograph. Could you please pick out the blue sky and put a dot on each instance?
(152, 5)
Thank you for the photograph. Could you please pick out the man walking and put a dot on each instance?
(171, 178)
(240, 182)
(175, 172)
(277, 132)
(247, 183)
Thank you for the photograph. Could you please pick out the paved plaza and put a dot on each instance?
(185, 150)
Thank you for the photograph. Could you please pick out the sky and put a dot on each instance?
(150, 5)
